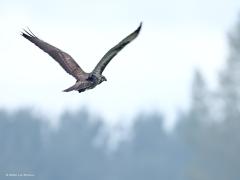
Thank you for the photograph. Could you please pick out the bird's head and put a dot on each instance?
(103, 78)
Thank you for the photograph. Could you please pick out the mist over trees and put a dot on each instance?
(204, 144)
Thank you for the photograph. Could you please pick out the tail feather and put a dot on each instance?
(72, 88)
(80, 86)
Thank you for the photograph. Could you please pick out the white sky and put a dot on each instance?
(153, 73)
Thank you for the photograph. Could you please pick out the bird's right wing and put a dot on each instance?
(113, 51)
(64, 59)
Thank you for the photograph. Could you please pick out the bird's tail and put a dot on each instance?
(72, 88)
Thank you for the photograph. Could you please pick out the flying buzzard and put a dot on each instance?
(84, 80)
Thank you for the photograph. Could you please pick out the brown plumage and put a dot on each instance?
(84, 80)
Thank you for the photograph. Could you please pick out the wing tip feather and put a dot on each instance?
(139, 27)
(28, 34)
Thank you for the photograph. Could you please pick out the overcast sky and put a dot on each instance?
(153, 73)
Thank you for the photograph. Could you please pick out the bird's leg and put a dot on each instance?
(81, 90)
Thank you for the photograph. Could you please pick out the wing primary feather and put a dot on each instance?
(31, 32)
(27, 33)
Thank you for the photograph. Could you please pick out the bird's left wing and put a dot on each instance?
(113, 51)
(64, 59)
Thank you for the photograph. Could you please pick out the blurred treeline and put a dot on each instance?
(204, 145)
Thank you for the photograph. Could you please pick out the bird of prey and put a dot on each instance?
(85, 80)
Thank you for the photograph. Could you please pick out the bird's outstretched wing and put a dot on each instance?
(64, 59)
(113, 51)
